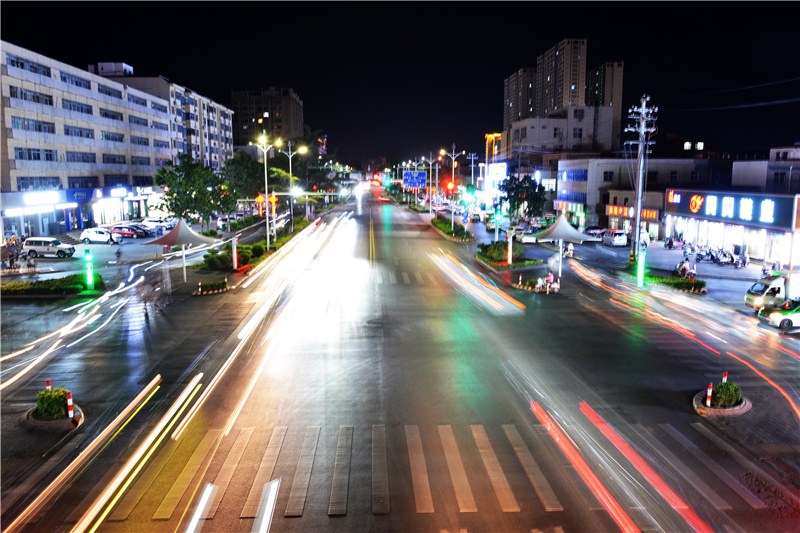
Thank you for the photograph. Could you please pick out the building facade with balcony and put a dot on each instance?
(279, 112)
(79, 149)
(519, 91)
(561, 77)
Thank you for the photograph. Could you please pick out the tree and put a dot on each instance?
(244, 175)
(190, 188)
(525, 196)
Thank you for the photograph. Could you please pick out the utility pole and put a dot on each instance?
(472, 157)
(644, 117)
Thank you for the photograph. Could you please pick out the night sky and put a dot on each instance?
(403, 79)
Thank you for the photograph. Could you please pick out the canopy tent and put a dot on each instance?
(562, 231)
(182, 234)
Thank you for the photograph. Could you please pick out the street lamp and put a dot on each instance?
(430, 182)
(453, 155)
(265, 148)
(291, 154)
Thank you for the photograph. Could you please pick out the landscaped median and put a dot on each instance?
(696, 286)
(458, 233)
(495, 255)
(72, 286)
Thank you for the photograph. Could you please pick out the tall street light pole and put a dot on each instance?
(291, 154)
(472, 157)
(265, 148)
(453, 155)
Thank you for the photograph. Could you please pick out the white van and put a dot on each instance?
(42, 246)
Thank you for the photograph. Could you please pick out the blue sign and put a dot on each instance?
(464, 219)
(414, 179)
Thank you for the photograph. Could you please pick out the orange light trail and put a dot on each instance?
(709, 322)
(775, 385)
(485, 284)
(778, 346)
(598, 489)
(677, 503)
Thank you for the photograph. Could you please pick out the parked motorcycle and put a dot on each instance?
(725, 258)
(743, 260)
(685, 270)
(688, 249)
(567, 251)
(703, 254)
(671, 243)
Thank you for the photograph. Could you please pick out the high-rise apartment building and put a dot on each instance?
(519, 91)
(79, 149)
(561, 77)
(604, 89)
(278, 112)
(203, 128)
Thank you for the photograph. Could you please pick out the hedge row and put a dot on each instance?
(72, 284)
(443, 223)
(676, 282)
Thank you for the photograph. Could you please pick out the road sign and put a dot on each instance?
(414, 179)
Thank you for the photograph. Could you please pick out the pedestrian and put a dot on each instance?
(31, 264)
(118, 255)
(12, 259)
(550, 279)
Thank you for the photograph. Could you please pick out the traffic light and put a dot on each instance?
(89, 270)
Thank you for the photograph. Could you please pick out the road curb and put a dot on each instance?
(702, 410)
(216, 291)
(53, 425)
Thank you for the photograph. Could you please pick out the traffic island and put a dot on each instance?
(700, 407)
(62, 424)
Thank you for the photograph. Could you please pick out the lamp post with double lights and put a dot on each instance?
(453, 155)
(265, 148)
(430, 182)
(291, 154)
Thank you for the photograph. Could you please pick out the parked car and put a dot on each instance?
(525, 235)
(615, 237)
(128, 231)
(156, 223)
(100, 235)
(476, 217)
(149, 232)
(785, 316)
(595, 231)
(42, 246)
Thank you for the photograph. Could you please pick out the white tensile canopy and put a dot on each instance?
(562, 231)
(182, 234)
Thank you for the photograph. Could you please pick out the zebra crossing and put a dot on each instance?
(668, 446)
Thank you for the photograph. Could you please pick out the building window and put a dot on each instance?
(160, 144)
(75, 131)
(142, 181)
(108, 91)
(608, 175)
(577, 114)
(652, 176)
(577, 133)
(31, 96)
(687, 145)
(112, 136)
(114, 159)
(779, 178)
(140, 141)
(136, 100)
(24, 64)
(673, 175)
(693, 176)
(71, 105)
(113, 115)
(28, 124)
(159, 107)
(81, 157)
(38, 183)
(34, 154)
(83, 182)
(136, 160)
(114, 180)
(160, 125)
(77, 81)
(136, 120)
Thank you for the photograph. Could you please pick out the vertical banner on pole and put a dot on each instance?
(235, 255)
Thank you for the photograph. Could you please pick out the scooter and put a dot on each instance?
(541, 286)
(742, 261)
(725, 258)
(567, 252)
(671, 243)
(703, 253)
(687, 271)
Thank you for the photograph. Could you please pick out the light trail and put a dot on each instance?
(677, 503)
(31, 366)
(83, 524)
(104, 324)
(775, 385)
(88, 452)
(611, 505)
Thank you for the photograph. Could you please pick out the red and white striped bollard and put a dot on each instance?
(47, 385)
(708, 396)
(520, 279)
(199, 286)
(69, 405)
(725, 377)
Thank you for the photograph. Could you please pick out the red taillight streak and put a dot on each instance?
(598, 489)
(775, 385)
(677, 503)
(778, 346)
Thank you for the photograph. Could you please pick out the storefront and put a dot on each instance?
(624, 217)
(765, 226)
(574, 212)
(36, 213)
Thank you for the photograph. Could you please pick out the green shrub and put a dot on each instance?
(225, 260)
(72, 284)
(497, 251)
(443, 224)
(213, 285)
(211, 262)
(51, 404)
(257, 250)
(726, 395)
(676, 282)
(244, 258)
(212, 251)
(210, 233)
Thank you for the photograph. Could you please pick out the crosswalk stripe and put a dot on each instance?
(685, 472)
(748, 465)
(419, 278)
(302, 475)
(392, 277)
(264, 474)
(508, 503)
(535, 475)
(380, 472)
(225, 474)
(466, 502)
(378, 278)
(419, 472)
(406, 279)
(715, 468)
(173, 497)
(123, 510)
(341, 472)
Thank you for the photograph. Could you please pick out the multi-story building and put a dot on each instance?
(561, 77)
(79, 149)
(203, 128)
(278, 112)
(604, 89)
(519, 96)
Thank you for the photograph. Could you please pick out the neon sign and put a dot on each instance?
(773, 211)
(695, 203)
(627, 211)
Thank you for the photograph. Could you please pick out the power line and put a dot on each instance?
(740, 106)
(745, 88)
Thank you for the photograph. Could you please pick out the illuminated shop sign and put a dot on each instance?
(570, 207)
(627, 211)
(734, 208)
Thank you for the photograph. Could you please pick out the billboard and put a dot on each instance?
(748, 209)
